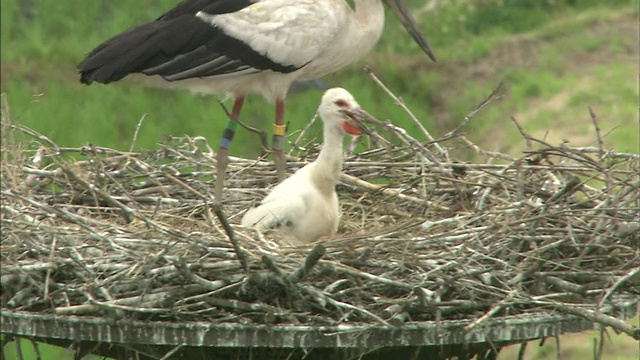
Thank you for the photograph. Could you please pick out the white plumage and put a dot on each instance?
(315, 37)
(306, 204)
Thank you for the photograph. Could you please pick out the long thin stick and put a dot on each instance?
(217, 209)
(311, 261)
(488, 100)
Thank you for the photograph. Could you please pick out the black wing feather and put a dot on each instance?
(177, 46)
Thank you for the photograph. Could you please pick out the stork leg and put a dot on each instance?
(279, 131)
(223, 150)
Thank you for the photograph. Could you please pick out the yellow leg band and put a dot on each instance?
(279, 129)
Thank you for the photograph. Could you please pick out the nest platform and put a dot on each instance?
(119, 252)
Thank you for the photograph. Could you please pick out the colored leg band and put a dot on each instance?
(279, 130)
(228, 133)
(225, 143)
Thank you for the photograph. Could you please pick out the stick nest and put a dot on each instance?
(96, 231)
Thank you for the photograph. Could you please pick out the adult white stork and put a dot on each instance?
(247, 46)
(306, 204)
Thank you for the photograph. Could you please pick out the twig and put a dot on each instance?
(173, 351)
(601, 318)
(311, 260)
(567, 190)
(565, 285)
(594, 119)
(262, 134)
(129, 213)
(245, 306)
(37, 136)
(352, 180)
(18, 346)
(379, 279)
(135, 133)
(273, 267)
(490, 154)
(124, 303)
(522, 350)
(607, 154)
(340, 304)
(621, 280)
(523, 133)
(489, 99)
(36, 349)
(303, 132)
(217, 209)
(494, 310)
(599, 345)
(208, 285)
(47, 280)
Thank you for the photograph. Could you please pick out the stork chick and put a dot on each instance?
(306, 204)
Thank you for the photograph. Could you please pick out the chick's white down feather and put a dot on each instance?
(306, 204)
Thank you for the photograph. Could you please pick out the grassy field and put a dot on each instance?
(555, 58)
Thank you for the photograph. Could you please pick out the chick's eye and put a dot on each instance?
(341, 103)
